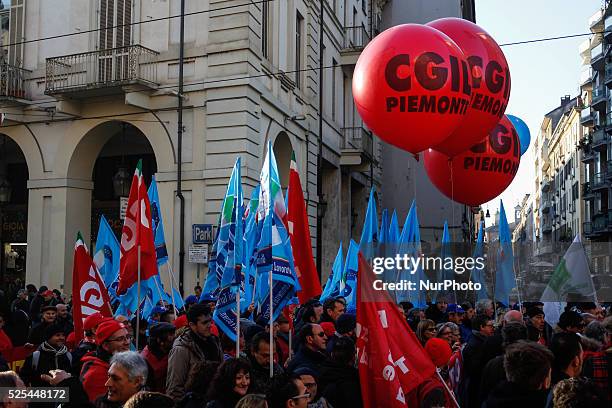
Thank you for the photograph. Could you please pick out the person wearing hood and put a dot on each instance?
(311, 354)
(528, 372)
(339, 379)
(161, 337)
(111, 338)
(194, 346)
(52, 354)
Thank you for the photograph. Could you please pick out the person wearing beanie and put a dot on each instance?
(44, 298)
(536, 325)
(111, 337)
(88, 343)
(159, 343)
(345, 327)
(52, 354)
(439, 351)
(49, 316)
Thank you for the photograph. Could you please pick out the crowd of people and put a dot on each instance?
(487, 355)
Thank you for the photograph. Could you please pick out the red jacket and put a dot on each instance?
(94, 375)
(5, 342)
(158, 370)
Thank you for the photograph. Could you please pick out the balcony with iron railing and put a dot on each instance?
(586, 117)
(588, 155)
(599, 181)
(357, 146)
(12, 84)
(597, 57)
(95, 72)
(598, 98)
(602, 222)
(599, 139)
(355, 40)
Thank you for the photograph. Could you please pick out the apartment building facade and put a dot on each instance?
(89, 87)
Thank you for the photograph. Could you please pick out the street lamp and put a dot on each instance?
(121, 182)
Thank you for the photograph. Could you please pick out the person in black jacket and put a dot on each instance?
(52, 354)
(528, 369)
(339, 380)
(37, 334)
(232, 382)
(311, 352)
(259, 355)
(42, 299)
(482, 328)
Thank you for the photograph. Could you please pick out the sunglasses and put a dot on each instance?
(320, 334)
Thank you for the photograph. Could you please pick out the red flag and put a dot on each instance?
(137, 231)
(299, 233)
(89, 295)
(392, 362)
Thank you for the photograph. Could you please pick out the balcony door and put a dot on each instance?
(115, 35)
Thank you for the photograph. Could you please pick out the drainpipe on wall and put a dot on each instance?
(320, 150)
(179, 190)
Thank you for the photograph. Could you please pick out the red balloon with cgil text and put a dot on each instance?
(411, 86)
(490, 82)
(481, 173)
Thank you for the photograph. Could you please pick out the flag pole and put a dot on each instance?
(238, 322)
(447, 389)
(171, 277)
(138, 302)
(271, 328)
(290, 344)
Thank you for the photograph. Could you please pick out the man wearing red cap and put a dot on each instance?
(88, 344)
(111, 338)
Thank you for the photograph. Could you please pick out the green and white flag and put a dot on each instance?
(571, 281)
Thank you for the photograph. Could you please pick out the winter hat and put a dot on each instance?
(533, 311)
(180, 321)
(158, 330)
(106, 329)
(71, 341)
(49, 307)
(439, 351)
(345, 323)
(52, 330)
(92, 321)
(453, 308)
(570, 319)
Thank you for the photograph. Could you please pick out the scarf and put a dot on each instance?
(47, 348)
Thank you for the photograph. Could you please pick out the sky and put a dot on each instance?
(541, 72)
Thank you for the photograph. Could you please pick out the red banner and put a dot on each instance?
(137, 232)
(89, 295)
(392, 362)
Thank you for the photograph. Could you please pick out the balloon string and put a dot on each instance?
(450, 163)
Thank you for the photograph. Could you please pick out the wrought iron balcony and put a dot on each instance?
(599, 181)
(12, 82)
(599, 139)
(103, 69)
(358, 139)
(355, 38)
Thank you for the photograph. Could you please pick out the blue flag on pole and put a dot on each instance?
(369, 234)
(252, 234)
(349, 277)
(274, 253)
(446, 270)
(394, 232)
(383, 235)
(478, 272)
(332, 287)
(504, 274)
(230, 256)
(410, 244)
(106, 256)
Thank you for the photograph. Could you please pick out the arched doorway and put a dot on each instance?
(13, 215)
(113, 172)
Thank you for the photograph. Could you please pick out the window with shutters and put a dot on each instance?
(299, 48)
(266, 30)
(11, 21)
(115, 18)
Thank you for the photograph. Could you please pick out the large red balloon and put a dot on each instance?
(412, 87)
(490, 82)
(481, 173)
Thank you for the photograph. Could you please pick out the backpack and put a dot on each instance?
(36, 359)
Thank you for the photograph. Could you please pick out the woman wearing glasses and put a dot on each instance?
(426, 329)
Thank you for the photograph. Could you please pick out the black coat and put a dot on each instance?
(492, 375)
(510, 395)
(46, 362)
(473, 365)
(307, 358)
(260, 376)
(37, 334)
(340, 385)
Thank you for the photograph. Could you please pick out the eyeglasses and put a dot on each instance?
(305, 395)
(121, 339)
(321, 334)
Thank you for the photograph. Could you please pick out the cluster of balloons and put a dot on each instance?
(443, 88)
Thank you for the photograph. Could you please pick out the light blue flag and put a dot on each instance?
(368, 244)
(410, 244)
(230, 256)
(348, 284)
(252, 234)
(332, 287)
(383, 235)
(504, 274)
(211, 286)
(477, 272)
(446, 272)
(408, 233)
(274, 253)
(106, 256)
(394, 233)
